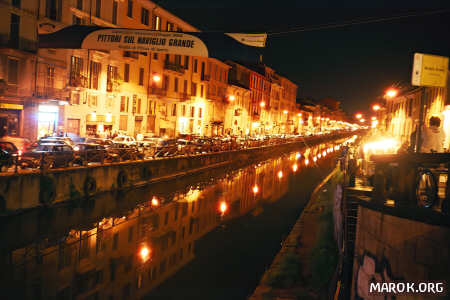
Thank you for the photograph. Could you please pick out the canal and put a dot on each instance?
(208, 236)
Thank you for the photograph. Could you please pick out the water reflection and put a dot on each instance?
(122, 246)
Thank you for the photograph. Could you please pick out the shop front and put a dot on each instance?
(99, 125)
(48, 117)
(10, 119)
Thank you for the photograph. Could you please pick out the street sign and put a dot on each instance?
(429, 70)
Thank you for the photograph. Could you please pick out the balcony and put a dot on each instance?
(157, 91)
(184, 96)
(78, 80)
(50, 92)
(174, 67)
(206, 77)
(113, 86)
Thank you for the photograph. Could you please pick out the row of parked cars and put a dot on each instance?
(57, 152)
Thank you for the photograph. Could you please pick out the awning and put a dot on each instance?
(233, 46)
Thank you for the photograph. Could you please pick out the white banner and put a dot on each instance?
(250, 39)
(145, 40)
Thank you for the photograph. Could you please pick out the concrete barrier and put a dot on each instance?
(32, 189)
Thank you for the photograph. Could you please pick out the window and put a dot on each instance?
(126, 73)
(155, 56)
(151, 107)
(95, 71)
(134, 104)
(123, 122)
(193, 115)
(144, 16)
(175, 84)
(200, 112)
(13, 71)
(165, 83)
(185, 87)
(130, 234)
(174, 110)
(166, 218)
(14, 31)
(195, 66)
(178, 60)
(139, 106)
(194, 89)
(98, 8)
(80, 4)
(114, 12)
(93, 100)
(183, 110)
(202, 91)
(76, 66)
(50, 80)
(53, 9)
(186, 62)
(141, 76)
(123, 104)
(130, 9)
(111, 78)
(169, 26)
(75, 99)
(76, 20)
(156, 23)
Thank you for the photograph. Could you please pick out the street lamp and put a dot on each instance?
(262, 104)
(362, 120)
(376, 107)
(358, 116)
(391, 93)
(374, 118)
(156, 78)
(231, 97)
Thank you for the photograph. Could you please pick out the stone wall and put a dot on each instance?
(388, 248)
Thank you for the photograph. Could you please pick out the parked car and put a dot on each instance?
(22, 144)
(124, 139)
(8, 154)
(51, 155)
(166, 147)
(107, 143)
(122, 152)
(89, 152)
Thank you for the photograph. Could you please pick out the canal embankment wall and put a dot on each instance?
(30, 189)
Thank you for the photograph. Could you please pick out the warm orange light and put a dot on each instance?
(299, 115)
(280, 174)
(262, 104)
(306, 162)
(223, 207)
(298, 155)
(155, 201)
(374, 118)
(324, 153)
(376, 107)
(314, 159)
(358, 116)
(319, 155)
(391, 93)
(231, 98)
(295, 167)
(156, 78)
(255, 189)
(362, 120)
(285, 111)
(144, 253)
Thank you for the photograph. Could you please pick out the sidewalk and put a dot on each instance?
(301, 268)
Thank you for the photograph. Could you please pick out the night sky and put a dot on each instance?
(353, 64)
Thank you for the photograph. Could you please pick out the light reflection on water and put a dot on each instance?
(147, 238)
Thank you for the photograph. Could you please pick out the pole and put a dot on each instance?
(419, 129)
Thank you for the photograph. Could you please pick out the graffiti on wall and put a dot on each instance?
(371, 271)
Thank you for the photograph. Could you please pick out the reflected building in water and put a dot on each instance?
(130, 252)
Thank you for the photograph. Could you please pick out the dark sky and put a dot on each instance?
(353, 64)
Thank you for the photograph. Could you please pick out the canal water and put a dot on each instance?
(205, 236)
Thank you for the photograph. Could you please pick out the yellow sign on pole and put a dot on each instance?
(429, 70)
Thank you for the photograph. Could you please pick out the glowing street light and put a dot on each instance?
(280, 174)
(262, 103)
(306, 162)
(231, 97)
(376, 107)
(299, 114)
(156, 78)
(255, 189)
(155, 201)
(144, 253)
(358, 116)
(391, 93)
(298, 155)
(362, 120)
(285, 111)
(223, 207)
(374, 118)
(294, 167)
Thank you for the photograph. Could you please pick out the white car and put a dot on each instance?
(126, 140)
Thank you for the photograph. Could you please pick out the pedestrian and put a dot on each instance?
(433, 137)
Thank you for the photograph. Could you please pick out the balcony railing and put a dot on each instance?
(78, 80)
(50, 92)
(206, 77)
(174, 67)
(184, 96)
(113, 86)
(157, 91)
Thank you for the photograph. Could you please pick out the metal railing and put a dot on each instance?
(174, 67)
